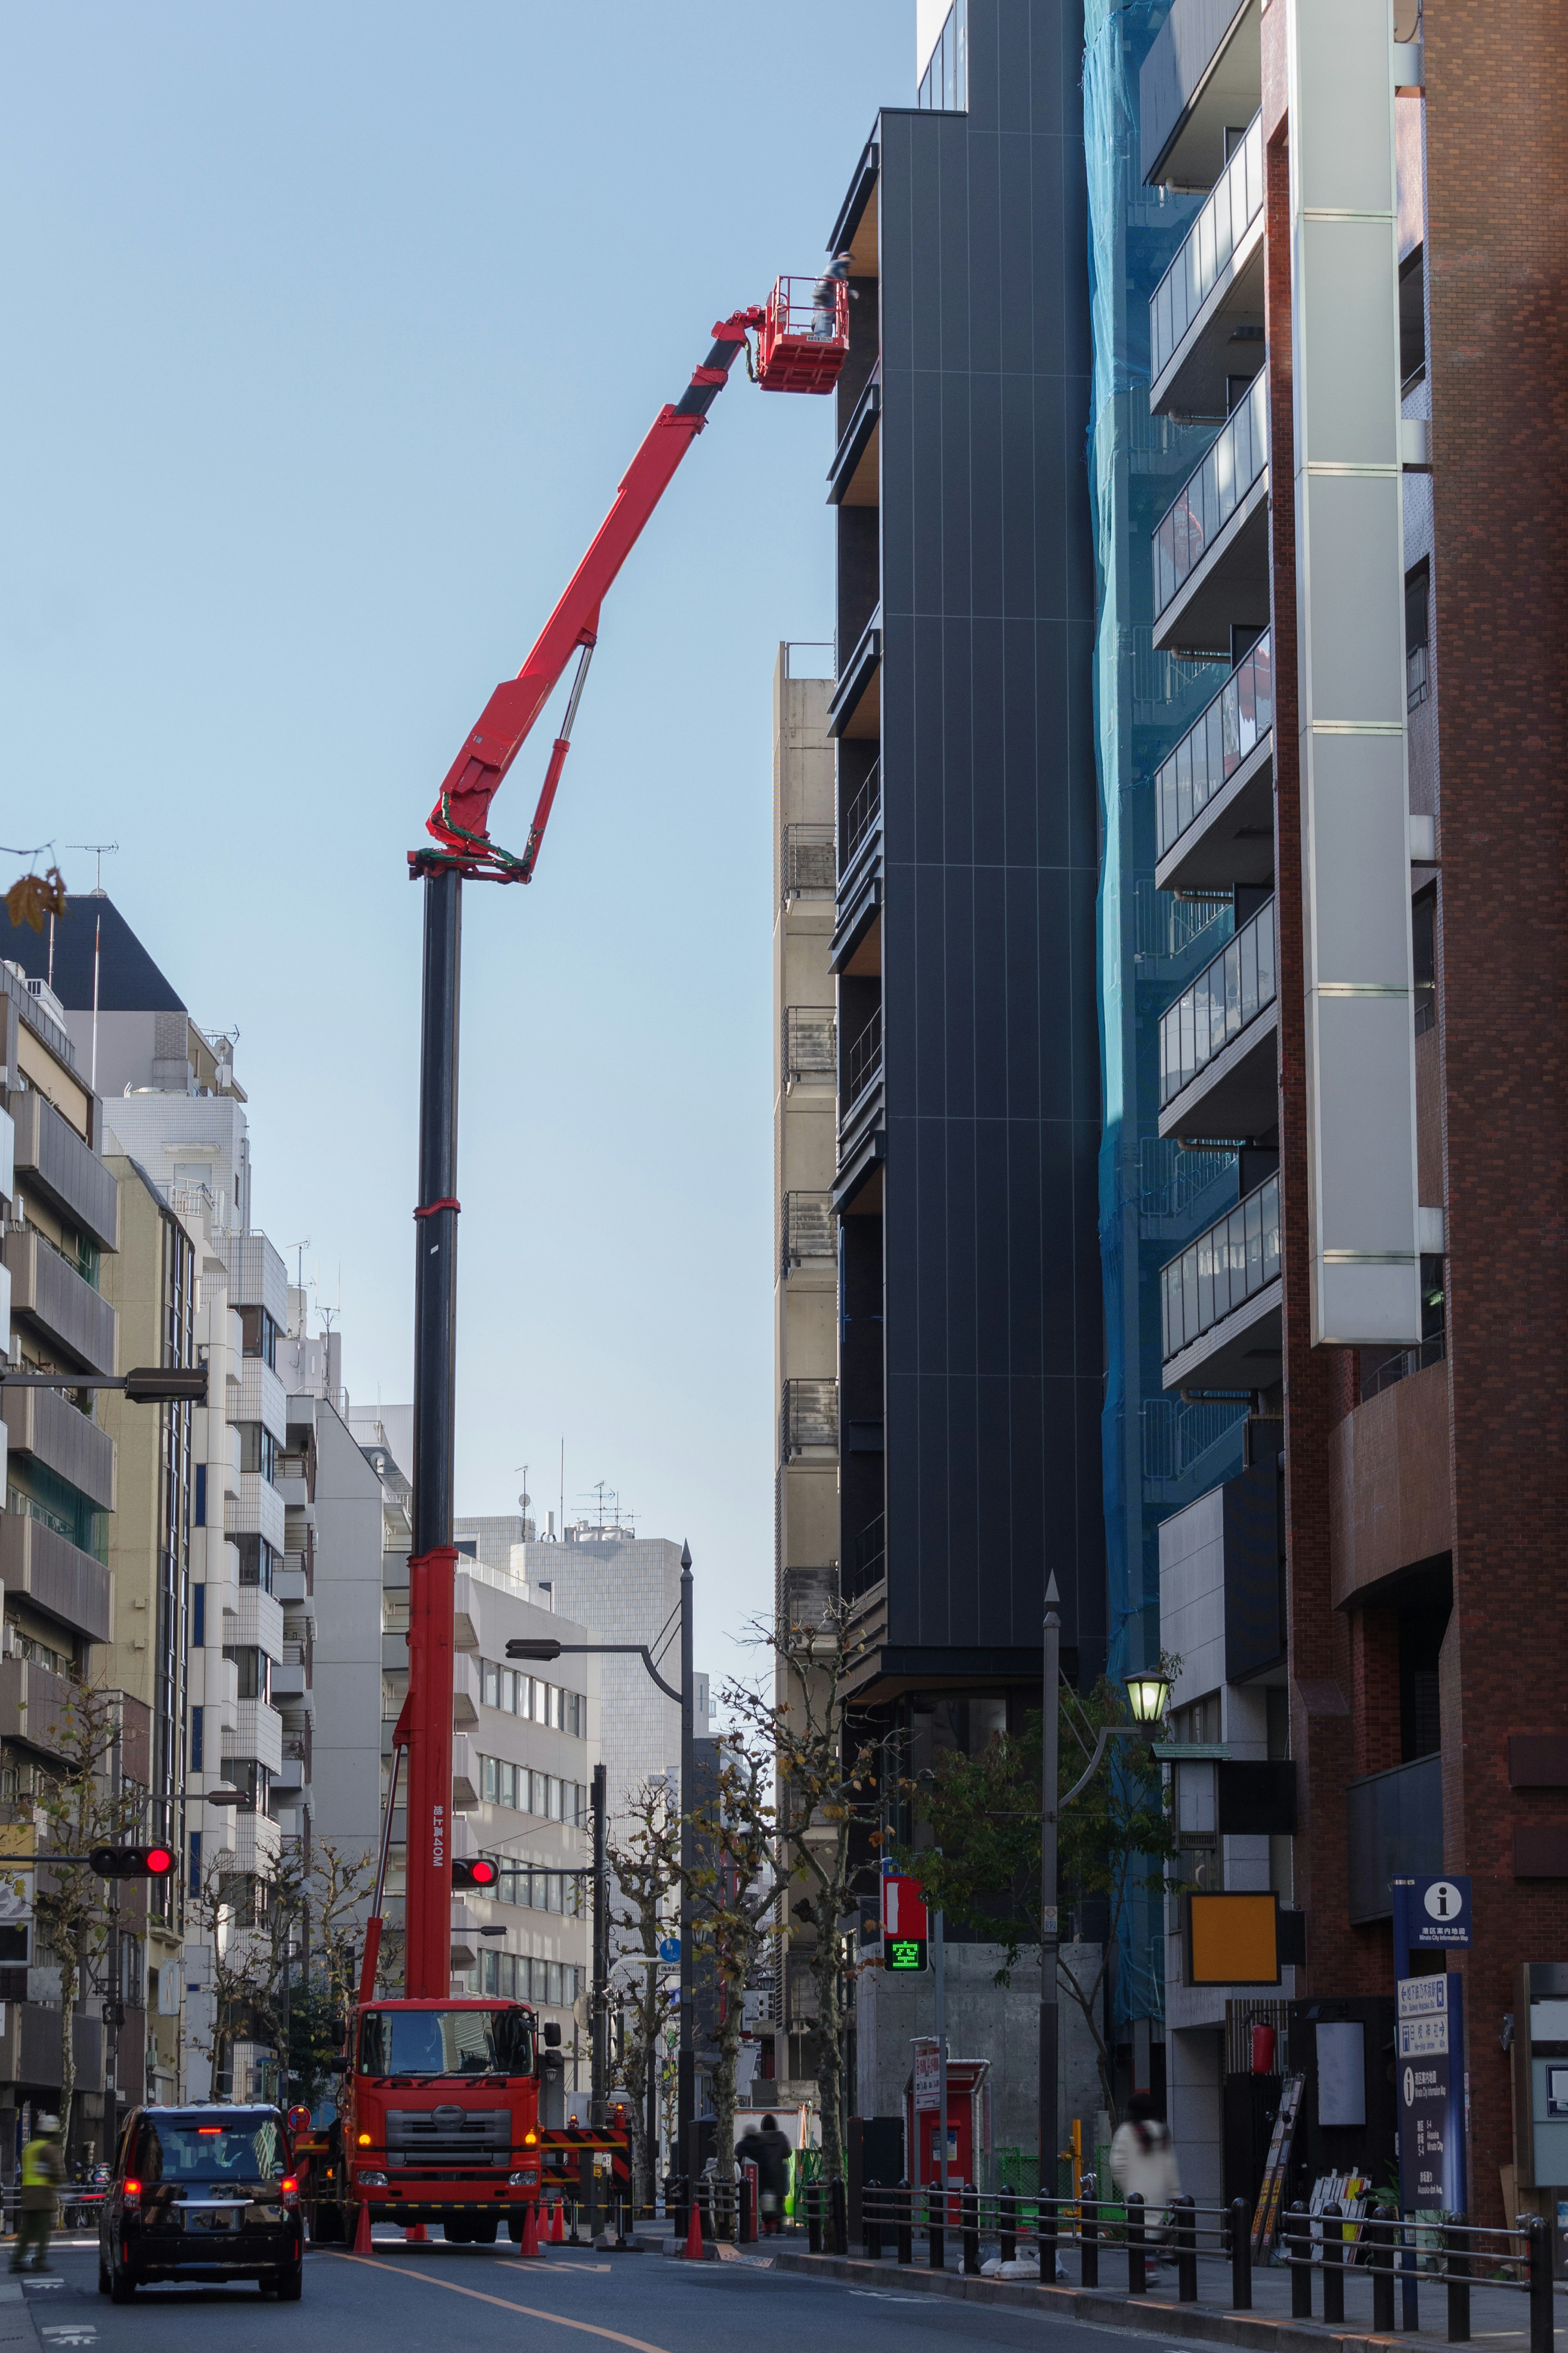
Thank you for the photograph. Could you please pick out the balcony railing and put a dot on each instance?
(1231, 1263)
(810, 1044)
(809, 868)
(1402, 1363)
(807, 1228)
(1226, 994)
(862, 813)
(810, 1416)
(1211, 494)
(1216, 745)
(871, 1560)
(864, 1065)
(1235, 205)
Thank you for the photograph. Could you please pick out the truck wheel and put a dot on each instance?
(482, 2234)
(456, 2233)
(327, 2226)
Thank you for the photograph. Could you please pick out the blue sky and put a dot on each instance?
(328, 332)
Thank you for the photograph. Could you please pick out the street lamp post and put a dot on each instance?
(546, 1647)
(1148, 1696)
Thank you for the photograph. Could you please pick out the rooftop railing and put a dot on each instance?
(1235, 205)
(1236, 1257)
(1238, 456)
(1228, 993)
(1216, 745)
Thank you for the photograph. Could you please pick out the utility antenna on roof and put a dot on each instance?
(100, 851)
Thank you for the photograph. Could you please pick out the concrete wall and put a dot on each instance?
(346, 1765)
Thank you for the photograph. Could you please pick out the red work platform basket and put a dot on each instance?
(804, 338)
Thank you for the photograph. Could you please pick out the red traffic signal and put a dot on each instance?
(479, 1872)
(132, 1862)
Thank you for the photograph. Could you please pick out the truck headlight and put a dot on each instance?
(514, 2180)
(372, 2181)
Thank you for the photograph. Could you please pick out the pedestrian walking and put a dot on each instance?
(768, 2149)
(43, 2170)
(1144, 2162)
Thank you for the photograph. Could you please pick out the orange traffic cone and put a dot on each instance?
(694, 2249)
(530, 2245)
(557, 2225)
(415, 2235)
(361, 2229)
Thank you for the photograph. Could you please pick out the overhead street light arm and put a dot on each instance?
(1107, 1732)
(524, 1647)
(145, 1385)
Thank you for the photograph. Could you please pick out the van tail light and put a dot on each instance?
(133, 2193)
(290, 2187)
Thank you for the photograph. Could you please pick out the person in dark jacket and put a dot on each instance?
(768, 2150)
(824, 307)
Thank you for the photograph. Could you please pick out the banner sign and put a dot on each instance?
(1430, 2064)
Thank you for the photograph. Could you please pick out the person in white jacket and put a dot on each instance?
(1144, 2159)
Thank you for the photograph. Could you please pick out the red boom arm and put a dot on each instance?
(460, 818)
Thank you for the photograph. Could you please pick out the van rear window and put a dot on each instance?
(211, 2149)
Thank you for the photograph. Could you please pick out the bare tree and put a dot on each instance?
(84, 1801)
(732, 1895)
(825, 1791)
(258, 1925)
(646, 1866)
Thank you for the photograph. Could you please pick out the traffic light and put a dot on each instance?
(132, 1862)
(479, 1872)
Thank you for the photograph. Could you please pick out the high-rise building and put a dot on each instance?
(963, 942)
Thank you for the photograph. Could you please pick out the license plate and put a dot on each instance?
(222, 2218)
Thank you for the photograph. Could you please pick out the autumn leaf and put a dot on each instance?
(36, 896)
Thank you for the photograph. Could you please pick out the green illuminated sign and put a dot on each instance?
(904, 1953)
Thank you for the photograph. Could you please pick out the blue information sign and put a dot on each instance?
(670, 1948)
(1431, 1913)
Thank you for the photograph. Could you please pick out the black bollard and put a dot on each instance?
(1049, 2225)
(1298, 2238)
(936, 2234)
(1087, 2243)
(1456, 2252)
(1187, 2235)
(1334, 2262)
(814, 2218)
(971, 2204)
(1137, 2260)
(837, 2217)
(1240, 2235)
(872, 2220)
(1540, 2285)
(1381, 2235)
(747, 2220)
(1008, 2227)
(904, 2200)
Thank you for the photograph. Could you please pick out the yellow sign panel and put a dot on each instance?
(1232, 1939)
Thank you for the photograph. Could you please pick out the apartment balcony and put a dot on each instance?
(1203, 74)
(807, 864)
(69, 1173)
(55, 1575)
(855, 707)
(808, 1233)
(290, 1583)
(1219, 1043)
(809, 1421)
(810, 1047)
(854, 478)
(76, 1323)
(853, 948)
(868, 1558)
(1220, 1301)
(1394, 1830)
(256, 1511)
(862, 1113)
(262, 1397)
(46, 1425)
(293, 1777)
(32, 1705)
(251, 1842)
(1214, 795)
(257, 1275)
(257, 1737)
(1206, 316)
(1211, 546)
(808, 1597)
(258, 1622)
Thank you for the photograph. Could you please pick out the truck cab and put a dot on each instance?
(439, 2117)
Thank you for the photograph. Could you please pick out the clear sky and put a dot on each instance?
(329, 331)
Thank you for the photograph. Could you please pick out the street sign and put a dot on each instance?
(1430, 2063)
(1431, 1914)
(928, 2077)
(670, 1950)
(905, 1928)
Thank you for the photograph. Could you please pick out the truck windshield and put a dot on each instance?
(446, 2042)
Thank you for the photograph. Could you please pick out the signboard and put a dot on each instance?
(1231, 1940)
(670, 1950)
(1430, 2063)
(928, 2077)
(905, 1928)
(1431, 1914)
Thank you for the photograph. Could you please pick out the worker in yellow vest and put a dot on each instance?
(43, 2170)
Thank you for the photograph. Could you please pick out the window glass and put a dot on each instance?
(555, 1706)
(491, 1684)
(211, 2149)
(445, 2042)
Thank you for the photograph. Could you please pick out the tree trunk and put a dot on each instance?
(70, 1978)
(829, 2049)
(724, 2084)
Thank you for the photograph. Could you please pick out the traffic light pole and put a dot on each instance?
(686, 2062)
(599, 2082)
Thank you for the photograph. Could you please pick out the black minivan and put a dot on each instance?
(201, 2193)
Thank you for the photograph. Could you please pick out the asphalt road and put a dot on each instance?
(405, 2299)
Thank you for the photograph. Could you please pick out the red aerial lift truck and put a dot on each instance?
(440, 2116)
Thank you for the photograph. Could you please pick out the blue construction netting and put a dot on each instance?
(1158, 1453)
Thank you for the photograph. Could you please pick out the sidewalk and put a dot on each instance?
(1499, 2317)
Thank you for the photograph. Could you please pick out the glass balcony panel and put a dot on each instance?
(1266, 982)
(1271, 1229)
(1247, 956)
(1217, 1005)
(1238, 1258)
(1234, 203)
(1213, 748)
(1211, 493)
(1254, 1243)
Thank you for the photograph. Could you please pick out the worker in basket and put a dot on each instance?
(825, 298)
